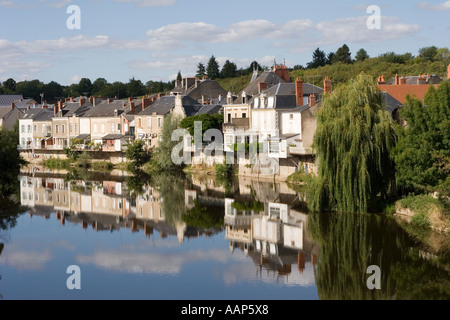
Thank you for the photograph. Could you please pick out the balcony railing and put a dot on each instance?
(301, 150)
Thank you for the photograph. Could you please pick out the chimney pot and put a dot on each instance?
(327, 85)
(262, 86)
(448, 72)
(397, 82)
(71, 99)
(12, 105)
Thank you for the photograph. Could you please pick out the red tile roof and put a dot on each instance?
(400, 92)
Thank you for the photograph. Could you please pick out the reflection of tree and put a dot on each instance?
(349, 244)
(171, 190)
(202, 216)
(136, 183)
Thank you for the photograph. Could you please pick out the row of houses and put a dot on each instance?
(273, 109)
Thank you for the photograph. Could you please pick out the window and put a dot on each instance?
(150, 123)
(76, 127)
(56, 129)
(95, 128)
(159, 122)
(291, 117)
(71, 128)
(229, 118)
(35, 128)
(113, 127)
(63, 128)
(29, 128)
(23, 129)
(103, 128)
(44, 127)
(244, 115)
(119, 127)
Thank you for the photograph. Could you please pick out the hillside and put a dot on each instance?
(340, 72)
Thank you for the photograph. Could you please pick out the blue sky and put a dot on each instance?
(154, 39)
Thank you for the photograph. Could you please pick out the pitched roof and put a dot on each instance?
(411, 80)
(399, 92)
(208, 88)
(269, 77)
(390, 103)
(7, 99)
(45, 116)
(4, 111)
(285, 94)
(32, 113)
(210, 109)
(165, 104)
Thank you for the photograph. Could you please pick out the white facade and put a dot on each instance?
(26, 133)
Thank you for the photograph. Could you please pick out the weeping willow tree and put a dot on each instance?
(353, 141)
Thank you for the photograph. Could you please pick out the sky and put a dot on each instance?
(155, 39)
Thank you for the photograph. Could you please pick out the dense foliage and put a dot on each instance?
(353, 142)
(422, 154)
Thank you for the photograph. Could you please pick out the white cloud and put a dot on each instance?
(435, 7)
(26, 260)
(154, 263)
(355, 30)
(150, 3)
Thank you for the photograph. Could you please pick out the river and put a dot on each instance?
(176, 237)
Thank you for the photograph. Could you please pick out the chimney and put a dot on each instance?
(282, 72)
(160, 95)
(43, 106)
(327, 85)
(381, 80)
(396, 80)
(60, 106)
(421, 80)
(109, 100)
(12, 105)
(132, 107)
(262, 86)
(448, 72)
(28, 107)
(91, 100)
(402, 81)
(312, 100)
(71, 99)
(299, 91)
(197, 82)
(82, 101)
(229, 98)
(55, 110)
(146, 102)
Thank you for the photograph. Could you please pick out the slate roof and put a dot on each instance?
(269, 77)
(285, 94)
(105, 109)
(33, 113)
(210, 109)
(391, 104)
(411, 80)
(208, 88)
(165, 104)
(7, 99)
(45, 116)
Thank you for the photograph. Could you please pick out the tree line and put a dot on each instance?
(54, 91)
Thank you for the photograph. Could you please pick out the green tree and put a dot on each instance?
(136, 153)
(85, 87)
(318, 60)
(135, 88)
(422, 154)
(30, 89)
(201, 70)
(161, 159)
(361, 55)
(343, 55)
(353, 141)
(53, 91)
(330, 57)
(208, 122)
(428, 53)
(10, 84)
(212, 69)
(98, 86)
(229, 69)
(179, 76)
(10, 160)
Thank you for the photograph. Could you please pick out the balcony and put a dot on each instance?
(237, 124)
(301, 151)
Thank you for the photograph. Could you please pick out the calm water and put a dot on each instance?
(183, 238)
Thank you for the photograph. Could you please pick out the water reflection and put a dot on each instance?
(269, 236)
